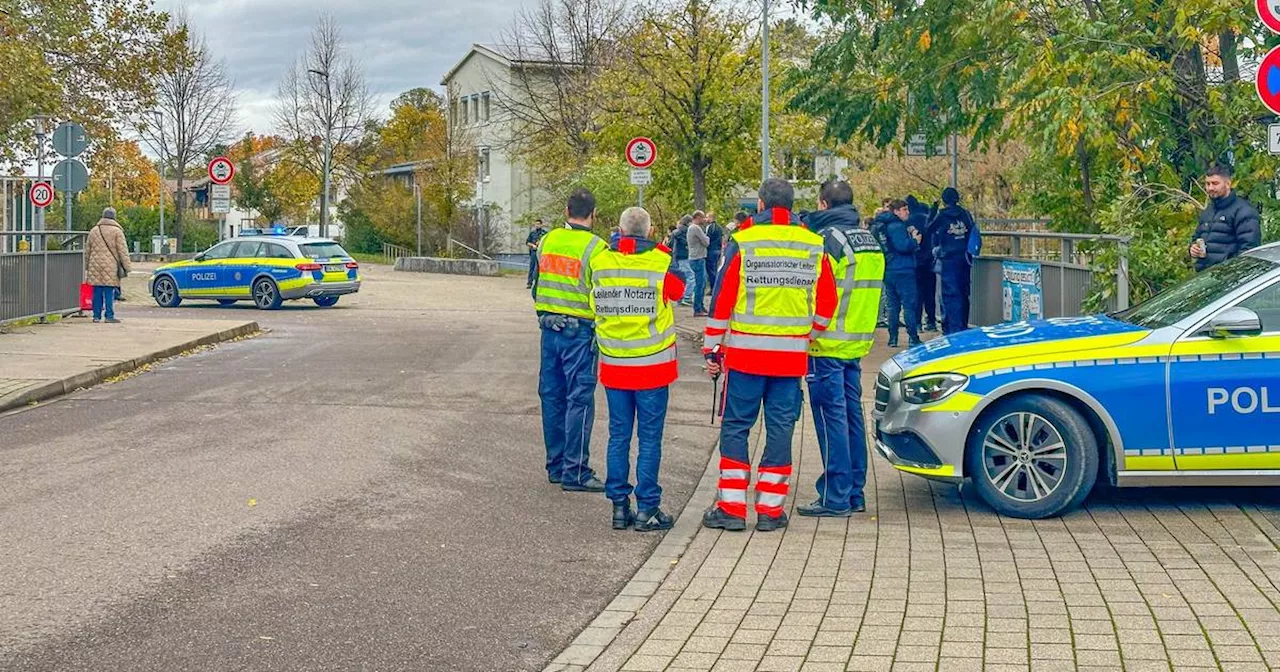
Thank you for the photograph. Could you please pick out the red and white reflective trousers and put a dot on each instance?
(772, 487)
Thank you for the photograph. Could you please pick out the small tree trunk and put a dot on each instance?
(1227, 52)
(179, 205)
(699, 184)
(1086, 174)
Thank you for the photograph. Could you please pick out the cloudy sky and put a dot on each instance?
(401, 43)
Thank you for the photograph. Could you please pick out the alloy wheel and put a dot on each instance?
(1025, 456)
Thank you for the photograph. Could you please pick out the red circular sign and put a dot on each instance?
(1269, 12)
(1268, 82)
(641, 152)
(41, 194)
(221, 170)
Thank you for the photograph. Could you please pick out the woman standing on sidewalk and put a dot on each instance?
(106, 262)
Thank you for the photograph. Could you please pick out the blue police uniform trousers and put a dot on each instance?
(956, 276)
(902, 300)
(567, 386)
(745, 394)
(835, 396)
(645, 412)
(533, 267)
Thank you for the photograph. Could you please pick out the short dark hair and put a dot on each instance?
(537, 221)
(581, 203)
(1222, 170)
(836, 192)
(776, 192)
(897, 205)
(740, 216)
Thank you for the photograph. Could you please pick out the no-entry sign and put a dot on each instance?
(221, 170)
(41, 194)
(1268, 82)
(641, 152)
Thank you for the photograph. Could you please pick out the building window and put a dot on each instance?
(453, 113)
(464, 111)
(475, 108)
(484, 164)
(484, 106)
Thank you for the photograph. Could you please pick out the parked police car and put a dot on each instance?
(265, 269)
(1183, 389)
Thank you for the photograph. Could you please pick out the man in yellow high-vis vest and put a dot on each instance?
(835, 370)
(567, 378)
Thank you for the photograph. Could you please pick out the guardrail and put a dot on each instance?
(391, 252)
(41, 283)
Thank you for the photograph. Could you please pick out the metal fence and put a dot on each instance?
(391, 252)
(42, 283)
(16, 213)
(1067, 269)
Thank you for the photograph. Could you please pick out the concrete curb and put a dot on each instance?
(644, 586)
(58, 388)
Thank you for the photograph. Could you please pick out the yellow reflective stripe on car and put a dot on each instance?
(960, 402)
(1226, 461)
(1088, 347)
(944, 471)
(1222, 346)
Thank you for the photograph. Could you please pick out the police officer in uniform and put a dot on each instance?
(952, 229)
(567, 378)
(531, 241)
(633, 285)
(835, 369)
(775, 287)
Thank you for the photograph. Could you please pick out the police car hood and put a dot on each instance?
(1003, 344)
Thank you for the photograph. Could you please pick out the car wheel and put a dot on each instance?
(326, 301)
(1032, 457)
(226, 302)
(266, 296)
(165, 292)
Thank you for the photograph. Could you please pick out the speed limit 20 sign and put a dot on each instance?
(41, 194)
(641, 153)
(221, 170)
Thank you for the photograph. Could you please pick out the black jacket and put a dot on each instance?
(678, 241)
(919, 220)
(899, 247)
(848, 221)
(950, 230)
(715, 232)
(1228, 226)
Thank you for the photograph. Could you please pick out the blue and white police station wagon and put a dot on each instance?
(1183, 389)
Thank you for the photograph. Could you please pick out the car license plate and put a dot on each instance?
(335, 268)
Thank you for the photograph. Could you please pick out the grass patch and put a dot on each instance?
(366, 258)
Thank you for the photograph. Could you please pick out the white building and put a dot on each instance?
(473, 87)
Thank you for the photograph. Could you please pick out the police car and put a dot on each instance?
(265, 269)
(1183, 389)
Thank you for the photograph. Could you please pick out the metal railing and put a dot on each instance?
(17, 214)
(391, 252)
(38, 284)
(1068, 263)
(450, 242)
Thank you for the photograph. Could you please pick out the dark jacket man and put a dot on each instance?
(951, 229)
(899, 247)
(1229, 226)
(679, 242)
(926, 280)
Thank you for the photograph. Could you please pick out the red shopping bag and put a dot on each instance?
(86, 296)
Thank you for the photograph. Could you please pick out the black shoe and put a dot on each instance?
(931, 327)
(882, 325)
(717, 519)
(622, 515)
(649, 521)
(859, 507)
(552, 478)
(769, 523)
(592, 484)
(893, 344)
(912, 344)
(817, 510)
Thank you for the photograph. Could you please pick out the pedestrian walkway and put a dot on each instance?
(41, 361)
(930, 579)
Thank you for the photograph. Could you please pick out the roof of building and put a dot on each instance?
(402, 168)
(506, 54)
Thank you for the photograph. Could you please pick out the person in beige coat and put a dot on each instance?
(106, 260)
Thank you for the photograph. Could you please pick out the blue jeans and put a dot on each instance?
(902, 299)
(747, 392)
(955, 295)
(533, 267)
(835, 395)
(645, 411)
(104, 300)
(713, 267)
(686, 272)
(567, 386)
(699, 269)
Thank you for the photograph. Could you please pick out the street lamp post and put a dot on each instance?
(164, 186)
(40, 136)
(328, 150)
(764, 94)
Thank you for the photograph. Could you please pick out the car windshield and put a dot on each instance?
(322, 250)
(1175, 304)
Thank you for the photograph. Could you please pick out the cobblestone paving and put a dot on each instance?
(930, 579)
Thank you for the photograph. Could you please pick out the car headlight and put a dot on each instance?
(931, 388)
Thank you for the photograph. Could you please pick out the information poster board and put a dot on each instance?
(1023, 292)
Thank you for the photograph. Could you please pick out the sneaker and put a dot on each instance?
(914, 343)
(717, 519)
(652, 520)
(931, 327)
(592, 484)
(818, 510)
(893, 344)
(622, 515)
(97, 320)
(770, 523)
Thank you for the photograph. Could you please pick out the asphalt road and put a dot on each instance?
(361, 488)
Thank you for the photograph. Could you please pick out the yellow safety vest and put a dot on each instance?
(634, 325)
(564, 272)
(779, 272)
(859, 281)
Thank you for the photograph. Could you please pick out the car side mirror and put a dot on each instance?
(1234, 323)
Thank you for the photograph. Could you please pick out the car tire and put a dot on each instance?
(226, 302)
(1032, 456)
(165, 292)
(326, 301)
(266, 294)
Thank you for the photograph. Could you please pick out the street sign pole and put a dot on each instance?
(40, 136)
(764, 94)
(640, 199)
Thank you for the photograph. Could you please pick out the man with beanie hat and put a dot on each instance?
(951, 230)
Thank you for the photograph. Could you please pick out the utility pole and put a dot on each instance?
(164, 186)
(764, 94)
(417, 197)
(328, 150)
(40, 136)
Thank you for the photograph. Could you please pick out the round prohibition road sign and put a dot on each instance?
(1268, 83)
(1269, 12)
(221, 170)
(641, 152)
(41, 194)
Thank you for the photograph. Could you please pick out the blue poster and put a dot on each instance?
(1023, 293)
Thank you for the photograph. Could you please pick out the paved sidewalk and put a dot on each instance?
(42, 361)
(930, 579)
